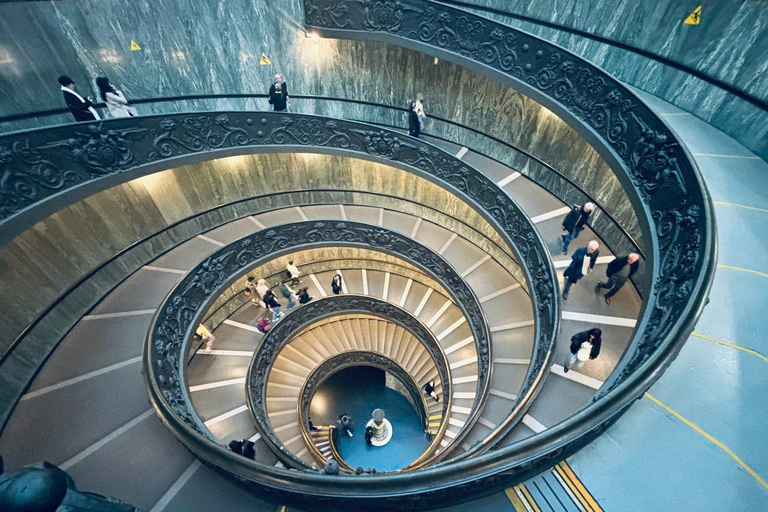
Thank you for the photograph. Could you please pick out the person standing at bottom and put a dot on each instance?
(573, 224)
(346, 423)
(584, 346)
(206, 335)
(336, 284)
(619, 271)
(582, 263)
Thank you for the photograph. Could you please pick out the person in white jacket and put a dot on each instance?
(115, 100)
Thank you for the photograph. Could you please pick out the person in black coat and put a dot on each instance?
(336, 284)
(582, 262)
(81, 108)
(593, 340)
(619, 271)
(414, 127)
(271, 302)
(574, 223)
(278, 94)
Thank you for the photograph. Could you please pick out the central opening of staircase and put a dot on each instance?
(356, 392)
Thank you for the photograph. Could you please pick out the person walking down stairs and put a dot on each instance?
(582, 263)
(584, 347)
(619, 271)
(271, 302)
(573, 224)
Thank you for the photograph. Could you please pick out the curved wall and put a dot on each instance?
(728, 46)
(85, 40)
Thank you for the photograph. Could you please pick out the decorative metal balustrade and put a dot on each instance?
(173, 327)
(660, 177)
(43, 170)
(47, 169)
(303, 318)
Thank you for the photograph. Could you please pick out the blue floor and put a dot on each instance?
(651, 460)
(335, 397)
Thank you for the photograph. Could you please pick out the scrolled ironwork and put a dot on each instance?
(299, 319)
(177, 317)
(660, 177)
(344, 360)
(100, 154)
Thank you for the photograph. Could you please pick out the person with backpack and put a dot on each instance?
(293, 273)
(271, 302)
(584, 346)
(336, 284)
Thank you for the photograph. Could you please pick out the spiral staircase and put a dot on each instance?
(451, 268)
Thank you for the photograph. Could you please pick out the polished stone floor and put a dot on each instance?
(336, 397)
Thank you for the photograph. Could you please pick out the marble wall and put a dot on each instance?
(43, 262)
(729, 45)
(192, 47)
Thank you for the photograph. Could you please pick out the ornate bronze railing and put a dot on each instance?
(303, 318)
(53, 167)
(174, 324)
(660, 177)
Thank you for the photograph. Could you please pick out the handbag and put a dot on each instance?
(584, 352)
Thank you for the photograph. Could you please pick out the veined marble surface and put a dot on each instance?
(730, 45)
(199, 47)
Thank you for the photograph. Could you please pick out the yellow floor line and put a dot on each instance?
(578, 488)
(737, 347)
(723, 203)
(517, 503)
(709, 438)
(743, 270)
(529, 498)
(282, 508)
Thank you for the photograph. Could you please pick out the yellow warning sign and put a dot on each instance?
(134, 46)
(265, 60)
(694, 18)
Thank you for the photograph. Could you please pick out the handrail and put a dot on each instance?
(137, 243)
(333, 364)
(174, 323)
(332, 434)
(236, 133)
(658, 173)
(324, 310)
(526, 153)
